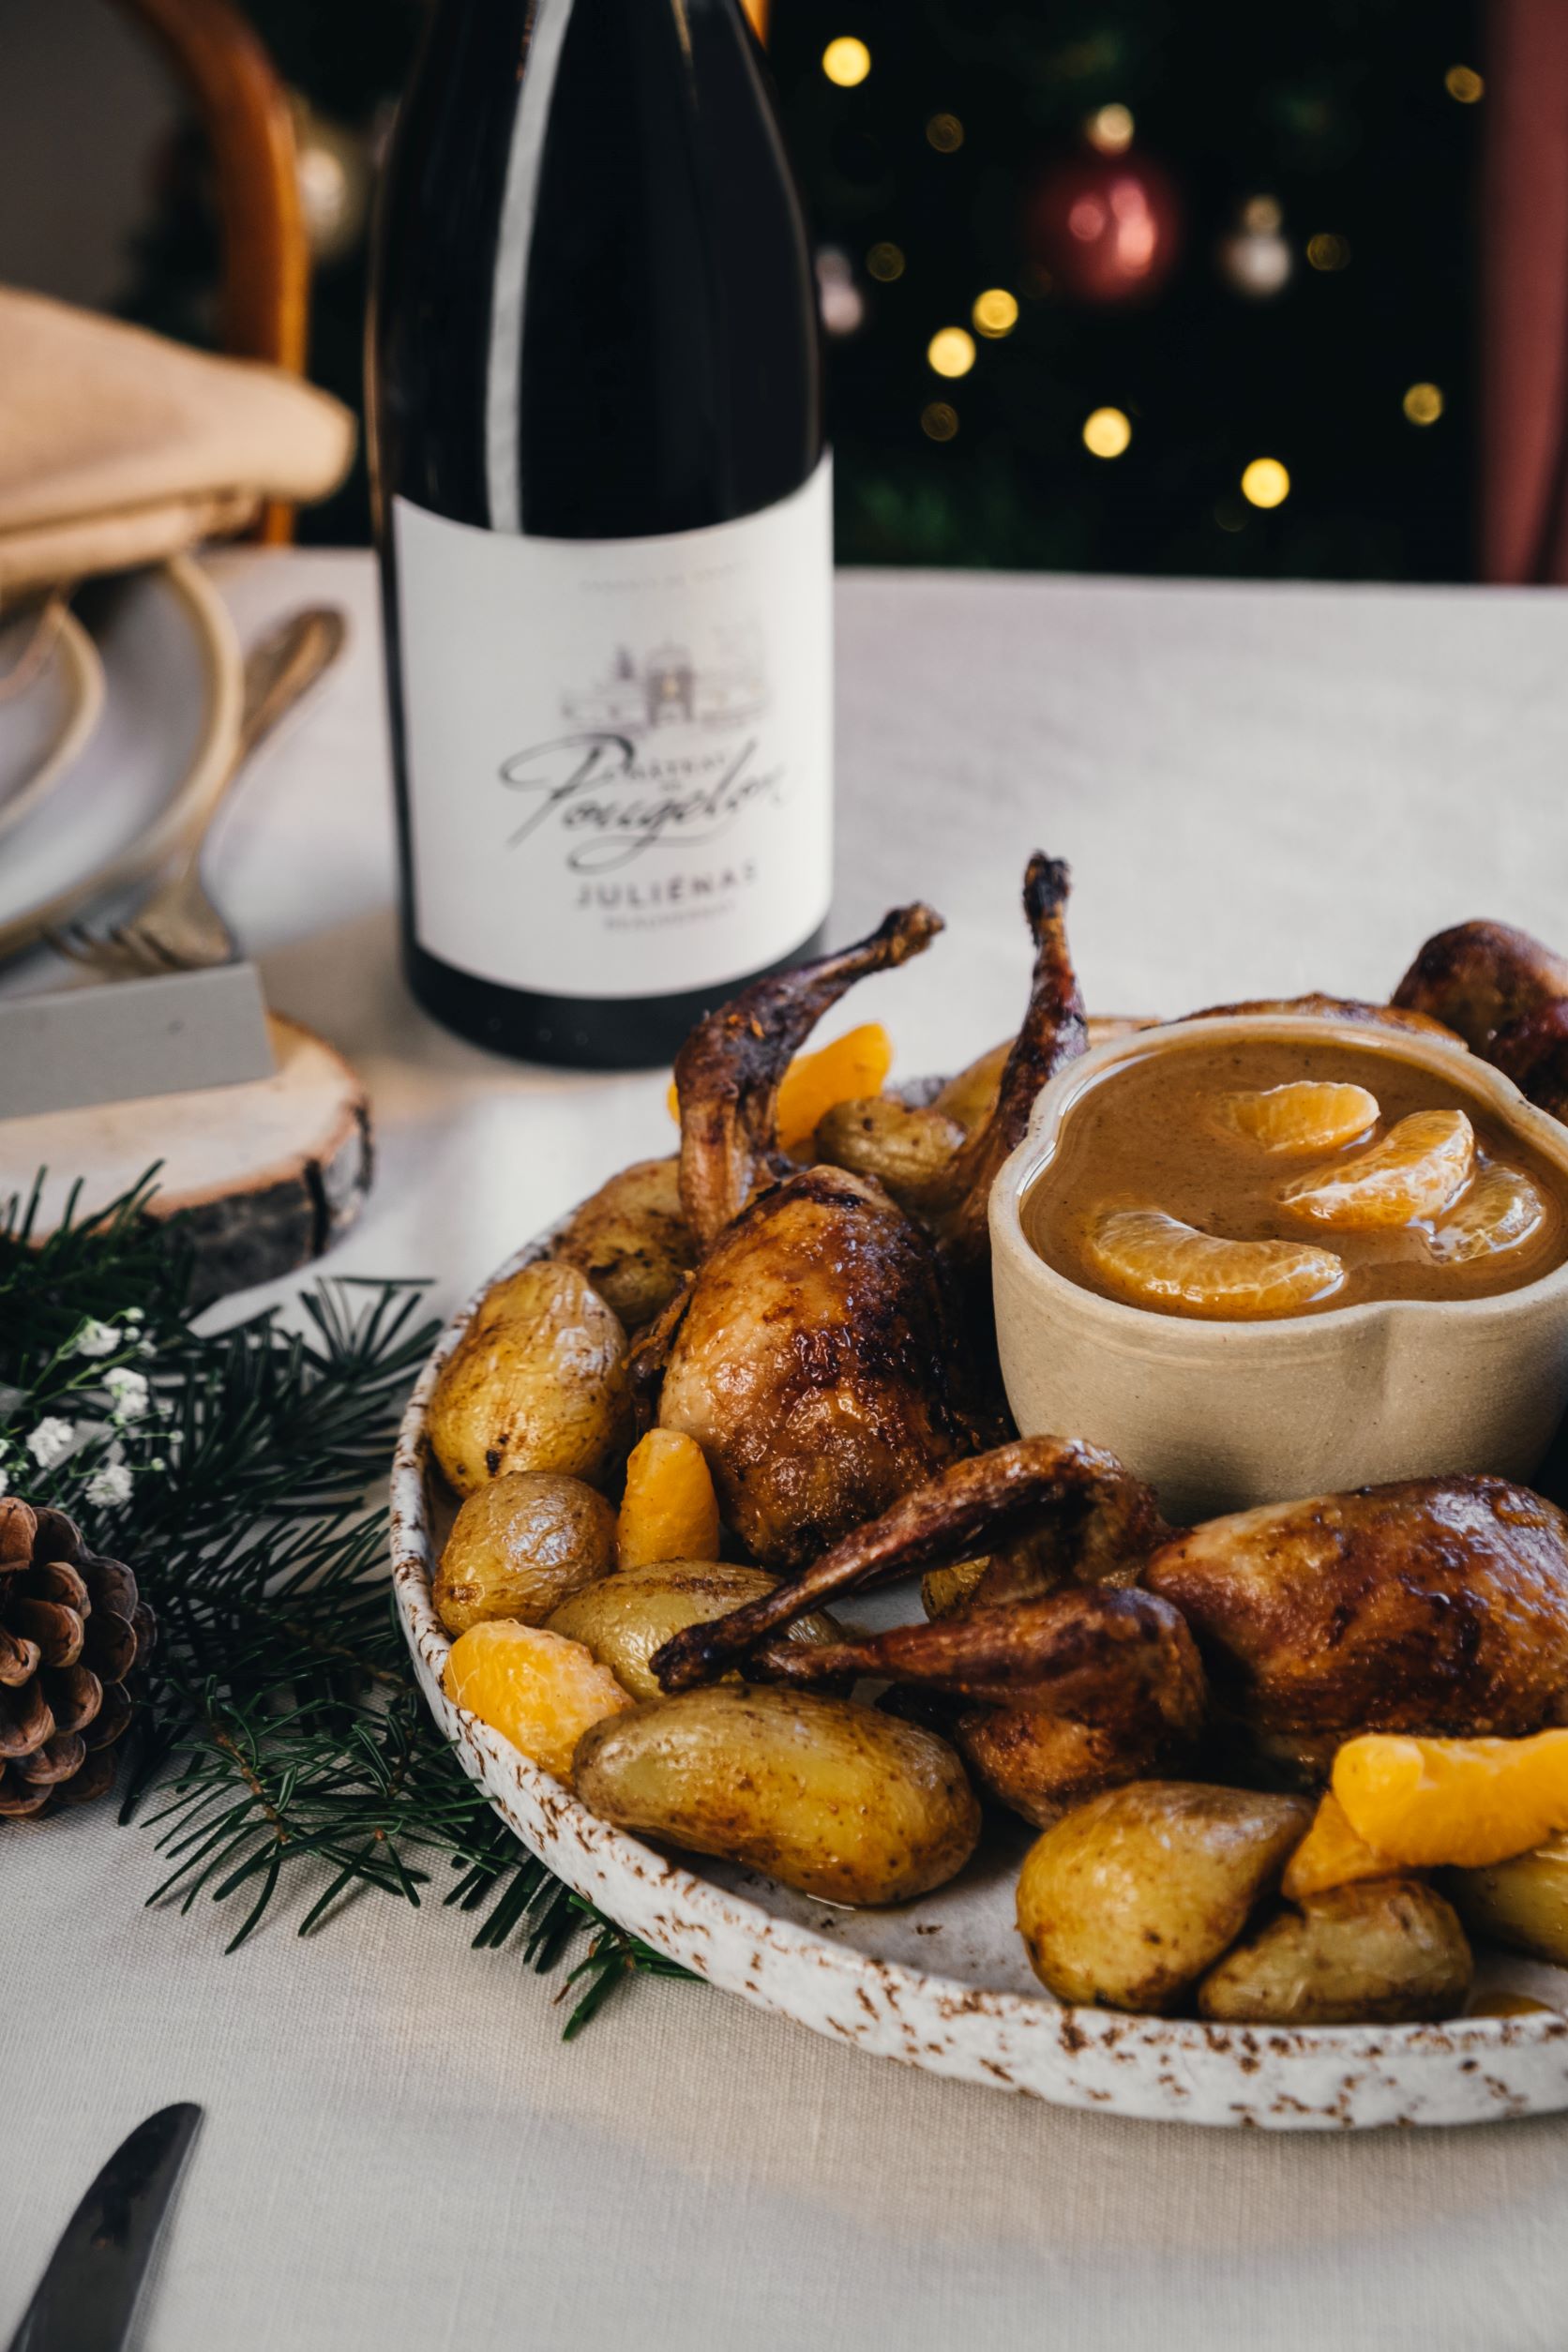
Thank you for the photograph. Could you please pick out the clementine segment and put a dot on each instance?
(1331, 1855)
(1465, 1802)
(1501, 1210)
(536, 1688)
(670, 1510)
(843, 1071)
(1158, 1260)
(1303, 1115)
(1418, 1171)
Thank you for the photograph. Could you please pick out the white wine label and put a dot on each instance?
(619, 751)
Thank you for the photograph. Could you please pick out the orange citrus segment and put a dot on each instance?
(1466, 1801)
(1420, 1168)
(1501, 1210)
(851, 1066)
(670, 1510)
(1331, 1855)
(1304, 1115)
(536, 1688)
(1160, 1262)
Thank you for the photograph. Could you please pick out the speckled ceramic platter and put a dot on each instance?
(942, 1983)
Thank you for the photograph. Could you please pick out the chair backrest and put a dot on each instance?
(244, 113)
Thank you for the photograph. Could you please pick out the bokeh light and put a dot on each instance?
(1464, 84)
(1422, 403)
(1328, 251)
(945, 133)
(1106, 432)
(995, 313)
(1265, 483)
(1110, 130)
(885, 262)
(846, 61)
(939, 421)
(950, 351)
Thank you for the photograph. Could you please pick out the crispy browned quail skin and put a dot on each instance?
(1053, 1033)
(812, 1355)
(730, 1069)
(1435, 1605)
(1045, 1508)
(1331, 1008)
(1084, 1690)
(1507, 996)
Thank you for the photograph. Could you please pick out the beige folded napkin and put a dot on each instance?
(117, 447)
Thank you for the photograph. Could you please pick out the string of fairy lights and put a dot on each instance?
(1257, 259)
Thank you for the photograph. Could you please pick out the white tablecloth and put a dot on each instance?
(1261, 791)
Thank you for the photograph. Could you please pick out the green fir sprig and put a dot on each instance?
(286, 1743)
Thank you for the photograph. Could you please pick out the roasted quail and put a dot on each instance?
(1435, 1605)
(1506, 995)
(816, 1355)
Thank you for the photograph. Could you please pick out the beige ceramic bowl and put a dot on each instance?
(1220, 1416)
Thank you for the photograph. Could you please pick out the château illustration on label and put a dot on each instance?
(604, 519)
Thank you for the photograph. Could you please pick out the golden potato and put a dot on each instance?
(631, 1241)
(1129, 1898)
(971, 1097)
(520, 1546)
(943, 1591)
(832, 1798)
(537, 1689)
(668, 1510)
(1381, 1952)
(623, 1618)
(537, 1382)
(1523, 1902)
(909, 1152)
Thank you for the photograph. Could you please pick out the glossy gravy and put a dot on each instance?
(1154, 1134)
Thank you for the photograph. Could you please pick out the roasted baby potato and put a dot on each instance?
(1129, 1898)
(537, 1689)
(625, 1618)
(944, 1591)
(909, 1152)
(668, 1510)
(1523, 1902)
(971, 1097)
(537, 1383)
(1382, 1951)
(631, 1241)
(520, 1546)
(831, 1798)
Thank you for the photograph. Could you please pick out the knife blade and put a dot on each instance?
(86, 2298)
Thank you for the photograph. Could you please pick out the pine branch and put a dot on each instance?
(286, 1747)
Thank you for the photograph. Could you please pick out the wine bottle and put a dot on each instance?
(604, 520)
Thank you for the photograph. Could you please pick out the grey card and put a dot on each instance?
(114, 1040)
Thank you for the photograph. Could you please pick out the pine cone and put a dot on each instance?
(72, 1627)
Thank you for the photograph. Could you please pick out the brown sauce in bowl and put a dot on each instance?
(1155, 1162)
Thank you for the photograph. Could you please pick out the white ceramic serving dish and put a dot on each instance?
(942, 1983)
(1220, 1416)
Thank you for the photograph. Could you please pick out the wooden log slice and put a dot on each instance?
(267, 1175)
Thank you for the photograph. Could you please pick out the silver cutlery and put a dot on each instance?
(86, 2298)
(179, 929)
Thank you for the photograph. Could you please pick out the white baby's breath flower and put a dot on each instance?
(110, 1486)
(50, 1441)
(134, 1315)
(129, 1391)
(5, 1478)
(97, 1339)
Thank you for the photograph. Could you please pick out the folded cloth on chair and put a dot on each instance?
(118, 448)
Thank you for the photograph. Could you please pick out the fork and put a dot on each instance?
(179, 929)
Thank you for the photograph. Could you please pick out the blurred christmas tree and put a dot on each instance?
(1109, 285)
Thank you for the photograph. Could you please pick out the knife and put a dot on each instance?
(86, 2299)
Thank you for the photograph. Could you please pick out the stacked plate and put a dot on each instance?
(119, 720)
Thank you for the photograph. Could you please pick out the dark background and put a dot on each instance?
(1333, 127)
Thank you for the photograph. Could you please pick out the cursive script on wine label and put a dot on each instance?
(619, 753)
